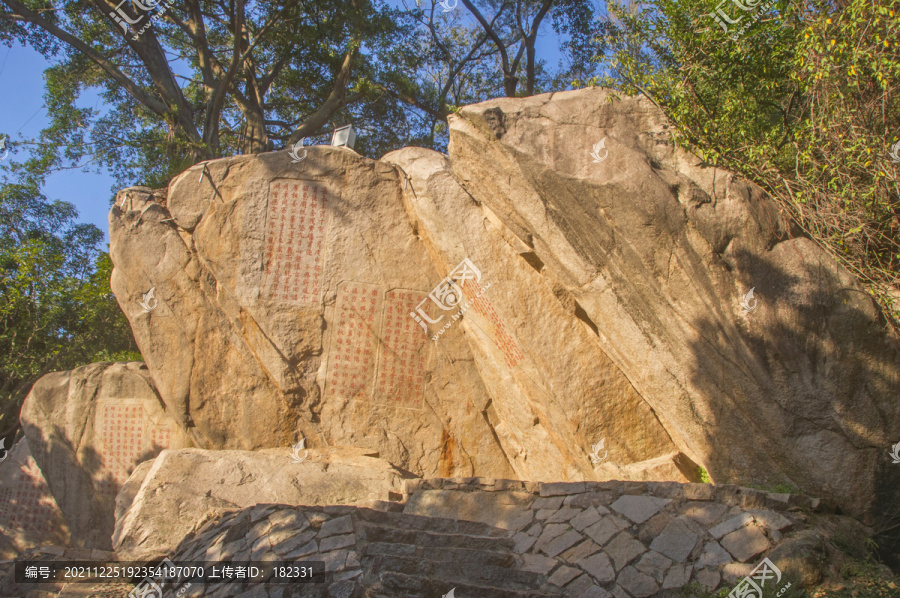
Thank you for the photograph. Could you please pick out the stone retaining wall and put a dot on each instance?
(512, 539)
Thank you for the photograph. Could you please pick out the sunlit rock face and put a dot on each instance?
(88, 429)
(565, 297)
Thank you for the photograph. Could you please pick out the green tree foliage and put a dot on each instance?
(208, 79)
(204, 79)
(56, 309)
(801, 98)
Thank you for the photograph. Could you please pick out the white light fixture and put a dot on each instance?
(345, 136)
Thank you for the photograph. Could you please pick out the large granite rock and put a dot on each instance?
(655, 252)
(88, 428)
(29, 515)
(182, 489)
(600, 301)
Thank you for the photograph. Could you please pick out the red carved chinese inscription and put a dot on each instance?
(403, 351)
(26, 504)
(295, 242)
(351, 362)
(500, 336)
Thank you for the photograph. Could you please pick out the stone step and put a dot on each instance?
(429, 539)
(451, 572)
(400, 585)
(433, 524)
(456, 555)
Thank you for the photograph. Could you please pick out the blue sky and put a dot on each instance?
(22, 116)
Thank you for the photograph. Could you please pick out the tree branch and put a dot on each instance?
(331, 105)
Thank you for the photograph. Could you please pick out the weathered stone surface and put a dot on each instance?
(548, 502)
(586, 518)
(599, 566)
(704, 513)
(639, 508)
(804, 555)
(623, 549)
(677, 576)
(709, 578)
(676, 541)
(508, 510)
(653, 527)
(550, 532)
(523, 542)
(746, 543)
(580, 551)
(581, 297)
(732, 572)
(770, 519)
(605, 529)
(29, 515)
(654, 564)
(563, 515)
(735, 523)
(184, 484)
(595, 591)
(713, 555)
(668, 326)
(561, 488)
(338, 525)
(561, 543)
(699, 491)
(564, 575)
(335, 542)
(636, 583)
(88, 429)
(538, 563)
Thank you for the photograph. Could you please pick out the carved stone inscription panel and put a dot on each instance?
(295, 241)
(26, 505)
(401, 371)
(374, 334)
(357, 321)
(127, 435)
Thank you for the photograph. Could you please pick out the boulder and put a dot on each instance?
(529, 307)
(88, 429)
(29, 515)
(655, 252)
(803, 556)
(254, 363)
(185, 488)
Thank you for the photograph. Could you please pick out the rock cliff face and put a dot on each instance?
(88, 429)
(500, 311)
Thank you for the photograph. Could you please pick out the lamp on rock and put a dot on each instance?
(344, 136)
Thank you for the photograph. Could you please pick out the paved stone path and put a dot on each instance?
(583, 540)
